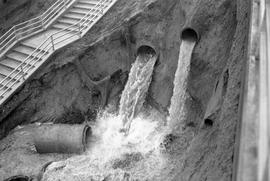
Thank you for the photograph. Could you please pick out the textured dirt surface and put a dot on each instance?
(16, 11)
(18, 155)
(202, 148)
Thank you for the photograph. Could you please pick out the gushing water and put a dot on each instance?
(136, 88)
(112, 155)
(177, 107)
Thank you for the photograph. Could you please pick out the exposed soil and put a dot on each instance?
(202, 148)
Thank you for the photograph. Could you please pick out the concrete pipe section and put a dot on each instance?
(145, 49)
(61, 138)
(18, 178)
(190, 34)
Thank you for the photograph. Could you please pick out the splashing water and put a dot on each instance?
(112, 155)
(176, 110)
(136, 88)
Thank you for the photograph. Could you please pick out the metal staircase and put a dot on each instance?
(26, 46)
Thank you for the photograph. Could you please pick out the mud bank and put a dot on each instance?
(199, 149)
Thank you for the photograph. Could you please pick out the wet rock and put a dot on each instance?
(127, 161)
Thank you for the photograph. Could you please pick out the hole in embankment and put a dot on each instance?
(208, 122)
(145, 49)
(18, 178)
(190, 34)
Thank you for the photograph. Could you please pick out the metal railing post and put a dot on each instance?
(65, 3)
(80, 34)
(23, 76)
(52, 43)
(101, 11)
(42, 22)
(15, 32)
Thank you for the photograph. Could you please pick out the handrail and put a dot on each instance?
(78, 24)
(264, 116)
(39, 23)
(252, 154)
(48, 46)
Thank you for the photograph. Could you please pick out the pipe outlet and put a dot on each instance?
(190, 34)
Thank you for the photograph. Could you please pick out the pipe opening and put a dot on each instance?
(18, 178)
(146, 50)
(87, 132)
(190, 34)
(208, 122)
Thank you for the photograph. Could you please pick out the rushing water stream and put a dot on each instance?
(136, 88)
(177, 107)
(113, 155)
(135, 155)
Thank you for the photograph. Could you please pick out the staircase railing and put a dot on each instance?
(48, 46)
(264, 107)
(35, 25)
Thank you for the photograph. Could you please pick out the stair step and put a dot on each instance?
(25, 44)
(65, 36)
(87, 3)
(91, 1)
(92, 15)
(79, 11)
(2, 77)
(76, 16)
(5, 70)
(28, 51)
(90, 5)
(21, 57)
(68, 21)
(67, 24)
(13, 63)
(62, 26)
(86, 8)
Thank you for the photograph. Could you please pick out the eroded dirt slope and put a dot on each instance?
(203, 148)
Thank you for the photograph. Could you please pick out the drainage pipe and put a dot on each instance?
(18, 178)
(145, 49)
(190, 34)
(61, 138)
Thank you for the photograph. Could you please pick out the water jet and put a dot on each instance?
(178, 108)
(136, 88)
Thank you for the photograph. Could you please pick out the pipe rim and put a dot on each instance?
(190, 34)
(146, 49)
(18, 178)
(86, 134)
